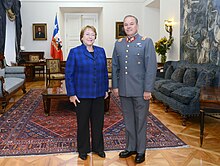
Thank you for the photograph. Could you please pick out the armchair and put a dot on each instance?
(35, 58)
(109, 67)
(12, 79)
(54, 70)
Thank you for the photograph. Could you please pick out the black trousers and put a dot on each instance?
(90, 113)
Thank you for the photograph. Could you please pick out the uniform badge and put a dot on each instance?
(143, 38)
(120, 40)
(138, 45)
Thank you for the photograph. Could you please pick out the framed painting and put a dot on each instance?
(39, 31)
(109, 64)
(120, 33)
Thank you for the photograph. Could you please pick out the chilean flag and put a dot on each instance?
(56, 43)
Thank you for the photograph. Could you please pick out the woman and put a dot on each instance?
(87, 86)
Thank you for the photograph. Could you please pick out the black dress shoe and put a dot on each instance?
(126, 153)
(140, 157)
(83, 156)
(101, 154)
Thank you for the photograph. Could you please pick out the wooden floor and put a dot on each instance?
(209, 154)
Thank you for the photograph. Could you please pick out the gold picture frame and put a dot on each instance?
(39, 31)
(109, 64)
(120, 33)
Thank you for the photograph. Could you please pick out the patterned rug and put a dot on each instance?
(25, 130)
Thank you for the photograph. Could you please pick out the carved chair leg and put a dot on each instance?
(166, 108)
(24, 89)
(1, 108)
(153, 99)
(184, 120)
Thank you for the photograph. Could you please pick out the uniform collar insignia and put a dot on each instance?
(143, 38)
(130, 39)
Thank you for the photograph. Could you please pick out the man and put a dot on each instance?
(39, 33)
(134, 69)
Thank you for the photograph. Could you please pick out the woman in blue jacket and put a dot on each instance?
(86, 78)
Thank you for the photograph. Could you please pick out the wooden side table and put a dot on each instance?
(209, 103)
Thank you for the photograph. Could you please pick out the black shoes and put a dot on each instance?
(126, 153)
(83, 156)
(100, 154)
(140, 157)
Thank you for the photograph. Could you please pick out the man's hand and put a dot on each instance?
(147, 95)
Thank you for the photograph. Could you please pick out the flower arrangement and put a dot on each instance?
(162, 46)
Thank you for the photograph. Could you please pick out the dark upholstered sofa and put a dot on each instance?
(178, 86)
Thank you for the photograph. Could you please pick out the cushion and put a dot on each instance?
(2, 72)
(185, 94)
(53, 65)
(169, 72)
(158, 83)
(12, 84)
(34, 58)
(205, 78)
(189, 77)
(178, 74)
(57, 76)
(16, 75)
(14, 69)
(168, 88)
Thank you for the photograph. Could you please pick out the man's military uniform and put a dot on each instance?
(134, 69)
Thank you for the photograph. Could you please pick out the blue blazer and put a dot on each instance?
(86, 75)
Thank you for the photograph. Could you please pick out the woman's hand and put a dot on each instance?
(74, 100)
(106, 95)
(147, 95)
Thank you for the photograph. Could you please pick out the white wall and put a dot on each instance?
(151, 20)
(37, 12)
(45, 11)
(170, 9)
(152, 23)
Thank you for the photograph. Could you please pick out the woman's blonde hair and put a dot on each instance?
(83, 30)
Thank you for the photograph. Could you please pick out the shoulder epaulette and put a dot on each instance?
(143, 38)
(120, 40)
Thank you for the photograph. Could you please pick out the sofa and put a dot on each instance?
(178, 86)
(12, 79)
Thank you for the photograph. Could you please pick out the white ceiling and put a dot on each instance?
(148, 3)
(153, 3)
(97, 1)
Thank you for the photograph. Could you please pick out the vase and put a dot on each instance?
(163, 58)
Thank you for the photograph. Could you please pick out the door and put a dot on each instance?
(73, 24)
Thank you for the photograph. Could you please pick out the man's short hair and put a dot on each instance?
(131, 16)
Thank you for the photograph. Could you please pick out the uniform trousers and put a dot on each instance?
(135, 110)
(90, 113)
